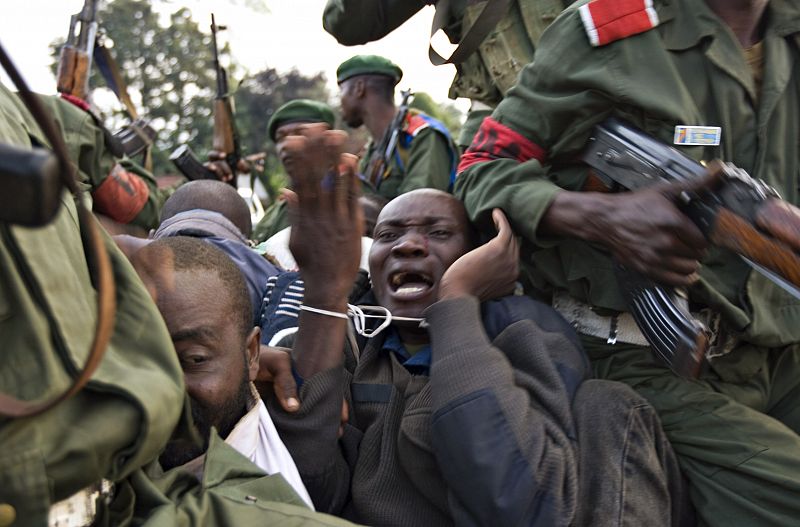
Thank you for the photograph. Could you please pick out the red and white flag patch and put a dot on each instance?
(608, 20)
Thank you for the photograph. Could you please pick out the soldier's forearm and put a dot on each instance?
(578, 215)
(355, 22)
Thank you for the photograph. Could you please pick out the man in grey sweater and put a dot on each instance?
(483, 415)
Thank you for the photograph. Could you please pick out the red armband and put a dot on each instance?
(497, 141)
(121, 196)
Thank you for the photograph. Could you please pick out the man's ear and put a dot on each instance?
(359, 88)
(253, 344)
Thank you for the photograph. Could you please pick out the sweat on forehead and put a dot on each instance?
(435, 202)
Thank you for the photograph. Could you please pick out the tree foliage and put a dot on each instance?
(169, 67)
(167, 63)
(257, 98)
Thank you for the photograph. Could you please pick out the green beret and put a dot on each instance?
(300, 111)
(368, 65)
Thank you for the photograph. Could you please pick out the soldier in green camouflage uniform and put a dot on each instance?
(424, 155)
(47, 320)
(300, 116)
(735, 429)
(484, 76)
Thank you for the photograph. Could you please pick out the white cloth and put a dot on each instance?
(277, 246)
(256, 438)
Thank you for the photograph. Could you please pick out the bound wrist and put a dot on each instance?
(326, 303)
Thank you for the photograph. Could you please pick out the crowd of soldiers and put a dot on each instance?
(480, 330)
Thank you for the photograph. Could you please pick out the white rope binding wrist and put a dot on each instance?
(323, 311)
(360, 318)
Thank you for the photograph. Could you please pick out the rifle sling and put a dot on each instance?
(110, 70)
(488, 18)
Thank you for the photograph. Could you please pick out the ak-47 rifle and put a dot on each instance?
(226, 138)
(72, 79)
(741, 214)
(382, 156)
(75, 60)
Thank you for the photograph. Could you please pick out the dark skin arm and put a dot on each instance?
(326, 242)
(644, 230)
(326, 220)
(217, 164)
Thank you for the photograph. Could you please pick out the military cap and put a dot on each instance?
(300, 110)
(368, 65)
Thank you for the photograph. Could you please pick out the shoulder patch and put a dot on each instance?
(608, 20)
(414, 123)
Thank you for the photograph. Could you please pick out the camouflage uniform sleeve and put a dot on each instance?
(355, 22)
(429, 162)
(543, 122)
(124, 191)
(82, 138)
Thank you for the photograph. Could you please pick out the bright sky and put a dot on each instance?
(289, 35)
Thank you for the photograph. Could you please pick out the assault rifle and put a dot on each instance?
(226, 138)
(75, 60)
(382, 156)
(742, 214)
(72, 80)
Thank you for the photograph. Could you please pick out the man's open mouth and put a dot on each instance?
(408, 283)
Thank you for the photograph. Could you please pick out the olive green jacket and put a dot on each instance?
(232, 492)
(276, 218)
(128, 410)
(689, 70)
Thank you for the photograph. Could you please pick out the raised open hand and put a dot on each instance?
(325, 215)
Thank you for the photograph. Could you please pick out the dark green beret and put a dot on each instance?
(300, 111)
(368, 65)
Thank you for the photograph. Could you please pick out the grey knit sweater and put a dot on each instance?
(487, 439)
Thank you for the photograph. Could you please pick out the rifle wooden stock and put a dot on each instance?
(737, 234)
(73, 72)
(223, 129)
(782, 220)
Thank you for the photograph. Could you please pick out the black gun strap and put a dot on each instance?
(490, 15)
(110, 71)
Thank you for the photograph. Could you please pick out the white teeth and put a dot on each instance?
(408, 290)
